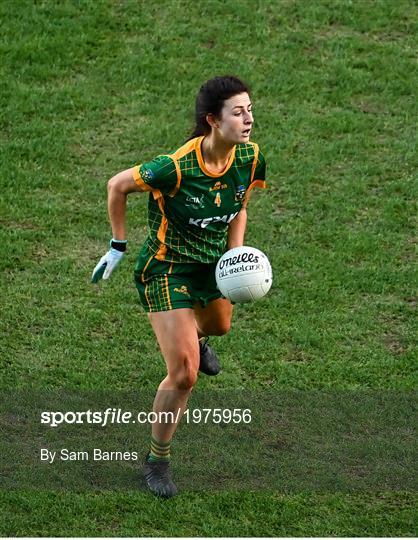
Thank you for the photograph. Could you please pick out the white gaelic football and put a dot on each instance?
(243, 274)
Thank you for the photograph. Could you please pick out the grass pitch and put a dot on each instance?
(90, 88)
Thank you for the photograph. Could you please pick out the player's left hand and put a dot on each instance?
(106, 265)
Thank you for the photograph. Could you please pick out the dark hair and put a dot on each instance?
(211, 97)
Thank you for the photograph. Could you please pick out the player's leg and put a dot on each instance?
(177, 337)
(212, 320)
(215, 318)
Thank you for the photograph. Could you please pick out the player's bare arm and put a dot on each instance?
(236, 229)
(118, 189)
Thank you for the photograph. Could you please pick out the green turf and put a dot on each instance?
(90, 88)
(227, 514)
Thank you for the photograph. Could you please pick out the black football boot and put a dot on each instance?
(209, 362)
(158, 477)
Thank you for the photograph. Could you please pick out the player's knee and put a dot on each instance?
(185, 376)
(218, 328)
(222, 328)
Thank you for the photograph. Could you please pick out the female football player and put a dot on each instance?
(196, 211)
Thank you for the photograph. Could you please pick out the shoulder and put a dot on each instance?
(161, 165)
(186, 157)
(186, 150)
(166, 170)
(170, 158)
(247, 153)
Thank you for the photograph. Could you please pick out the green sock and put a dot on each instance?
(160, 451)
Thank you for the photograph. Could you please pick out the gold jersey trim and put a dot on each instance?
(256, 152)
(138, 180)
(198, 148)
(188, 147)
(162, 230)
(256, 183)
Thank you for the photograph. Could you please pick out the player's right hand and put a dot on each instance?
(106, 265)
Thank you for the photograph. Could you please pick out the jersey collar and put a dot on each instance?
(202, 165)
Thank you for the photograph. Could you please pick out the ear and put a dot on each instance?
(212, 121)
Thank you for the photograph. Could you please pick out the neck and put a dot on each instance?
(215, 151)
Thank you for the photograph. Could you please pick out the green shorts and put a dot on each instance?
(163, 286)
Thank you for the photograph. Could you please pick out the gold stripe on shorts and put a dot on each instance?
(147, 297)
(145, 267)
(168, 292)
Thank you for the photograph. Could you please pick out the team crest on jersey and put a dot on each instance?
(147, 175)
(240, 193)
(195, 202)
(218, 186)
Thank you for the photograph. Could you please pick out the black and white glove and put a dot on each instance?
(109, 261)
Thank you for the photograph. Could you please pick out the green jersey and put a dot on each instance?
(190, 207)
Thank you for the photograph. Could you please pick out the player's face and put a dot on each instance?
(236, 119)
